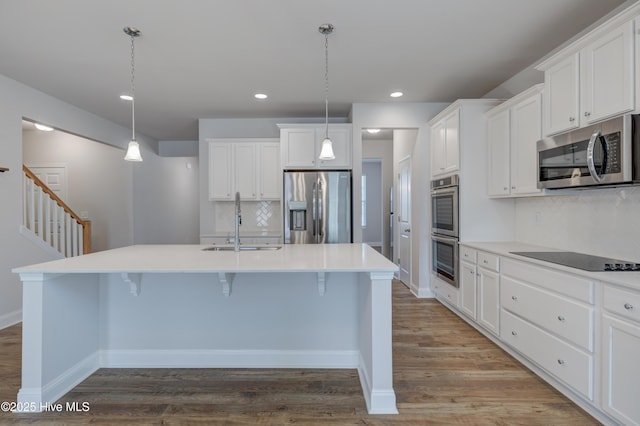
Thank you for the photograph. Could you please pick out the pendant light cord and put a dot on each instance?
(133, 91)
(326, 84)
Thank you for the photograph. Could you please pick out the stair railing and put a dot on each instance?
(52, 220)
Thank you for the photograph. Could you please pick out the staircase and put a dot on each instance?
(50, 222)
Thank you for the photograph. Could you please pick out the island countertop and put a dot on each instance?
(192, 258)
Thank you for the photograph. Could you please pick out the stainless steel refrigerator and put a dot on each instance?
(317, 207)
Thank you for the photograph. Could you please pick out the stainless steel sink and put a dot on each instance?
(242, 248)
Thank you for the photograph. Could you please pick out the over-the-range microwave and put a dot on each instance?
(607, 153)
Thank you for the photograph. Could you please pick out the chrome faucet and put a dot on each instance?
(236, 240)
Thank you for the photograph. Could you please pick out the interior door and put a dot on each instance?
(404, 220)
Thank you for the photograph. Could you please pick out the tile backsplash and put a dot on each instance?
(604, 222)
(258, 217)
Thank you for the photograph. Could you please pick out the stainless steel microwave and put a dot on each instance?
(607, 153)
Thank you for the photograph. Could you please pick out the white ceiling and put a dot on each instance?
(206, 58)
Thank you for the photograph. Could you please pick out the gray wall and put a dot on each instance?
(97, 181)
(382, 149)
(17, 102)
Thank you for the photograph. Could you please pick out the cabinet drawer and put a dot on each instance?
(489, 261)
(568, 364)
(560, 282)
(566, 318)
(468, 254)
(445, 291)
(623, 302)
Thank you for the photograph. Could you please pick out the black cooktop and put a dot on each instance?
(583, 261)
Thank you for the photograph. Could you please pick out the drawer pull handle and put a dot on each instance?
(561, 362)
(561, 318)
(514, 298)
(628, 306)
(485, 261)
(514, 333)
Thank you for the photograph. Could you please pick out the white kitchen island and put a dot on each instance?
(177, 306)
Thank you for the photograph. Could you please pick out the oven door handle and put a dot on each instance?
(597, 135)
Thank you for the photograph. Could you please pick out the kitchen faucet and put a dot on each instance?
(236, 240)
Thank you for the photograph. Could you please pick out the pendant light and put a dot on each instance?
(326, 153)
(133, 150)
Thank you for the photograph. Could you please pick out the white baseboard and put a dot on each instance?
(12, 318)
(35, 399)
(228, 359)
(378, 402)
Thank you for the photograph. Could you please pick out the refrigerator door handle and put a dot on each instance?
(320, 207)
(314, 209)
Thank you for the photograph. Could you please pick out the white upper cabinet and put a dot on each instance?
(220, 171)
(562, 96)
(269, 171)
(248, 166)
(445, 144)
(513, 129)
(607, 79)
(498, 142)
(300, 146)
(592, 79)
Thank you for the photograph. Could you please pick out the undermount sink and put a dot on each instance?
(242, 248)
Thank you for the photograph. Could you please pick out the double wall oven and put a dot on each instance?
(444, 229)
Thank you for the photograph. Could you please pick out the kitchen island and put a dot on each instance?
(179, 306)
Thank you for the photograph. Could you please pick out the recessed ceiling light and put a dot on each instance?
(260, 96)
(396, 94)
(126, 97)
(373, 131)
(43, 127)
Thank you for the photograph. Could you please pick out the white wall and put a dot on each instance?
(166, 206)
(383, 150)
(372, 233)
(97, 179)
(399, 116)
(17, 102)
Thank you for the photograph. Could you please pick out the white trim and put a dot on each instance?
(12, 318)
(31, 236)
(378, 402)
(34, 399)
(159, 358)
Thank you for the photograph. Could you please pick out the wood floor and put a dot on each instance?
(445, 372)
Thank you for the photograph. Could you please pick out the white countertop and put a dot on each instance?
(191, 258)
(504, 248)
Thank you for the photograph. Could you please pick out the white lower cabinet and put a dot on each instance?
(479, 293)
(621, 354)
(445, 291)
(569, 364)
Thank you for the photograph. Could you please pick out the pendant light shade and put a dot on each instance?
(133, 152)
(326, 153)
(133, 149)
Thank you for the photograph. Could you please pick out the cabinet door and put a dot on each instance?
(437, 148)
(245, 170)
(498, 140)
(488, 300)
(607, 78)
(452, 142)
(468, 289)
(220, 171)
(341, 143)
(526, 130)
(270, 174)
(561, 87)
(298, 148)
(620, 373)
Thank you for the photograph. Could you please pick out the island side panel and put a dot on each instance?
(375, 340)
(275, 319)
(60, 335)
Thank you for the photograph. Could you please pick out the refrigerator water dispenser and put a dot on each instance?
(298, 215)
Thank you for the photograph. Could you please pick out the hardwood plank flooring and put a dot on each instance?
(445, 372)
